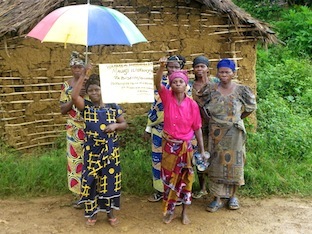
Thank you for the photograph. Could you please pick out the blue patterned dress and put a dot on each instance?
(156, 122)
(101, 176)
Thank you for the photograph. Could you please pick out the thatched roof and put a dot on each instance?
(19, 16)
(238, 16)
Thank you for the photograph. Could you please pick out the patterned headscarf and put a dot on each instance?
(179, 74)
(226, 63)
(76, 59)
(177, 58)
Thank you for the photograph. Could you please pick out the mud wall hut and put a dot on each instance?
(31, 72)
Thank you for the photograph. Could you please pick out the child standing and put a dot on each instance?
(181, 121)
(101, 176)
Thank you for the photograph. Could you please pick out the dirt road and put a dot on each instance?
(55, 215)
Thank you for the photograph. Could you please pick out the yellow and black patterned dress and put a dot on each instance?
(101, 176)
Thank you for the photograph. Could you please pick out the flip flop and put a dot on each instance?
(199, 194)
(155, 197)
(214, 206)
(179, 203)
(78, 206)
(233, 203)
(113, 221)
(91, 222)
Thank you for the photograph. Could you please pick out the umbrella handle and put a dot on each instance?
(86, 60)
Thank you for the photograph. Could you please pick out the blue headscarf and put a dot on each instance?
(226, 63)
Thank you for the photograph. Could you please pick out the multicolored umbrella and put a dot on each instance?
(87, 25)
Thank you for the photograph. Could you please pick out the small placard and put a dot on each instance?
(127, 82)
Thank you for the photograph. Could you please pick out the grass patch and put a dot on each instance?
(28, 176)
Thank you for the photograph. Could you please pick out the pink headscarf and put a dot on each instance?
(179, 74)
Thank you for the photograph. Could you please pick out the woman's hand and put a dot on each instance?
(111, 127)
(163, 61)
(146, 136)
(85, 75)
(88, 69)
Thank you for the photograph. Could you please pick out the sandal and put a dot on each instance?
(199, 194)
(113, 221)
(233, 203)
(91, 221)
(75, 203)
(78, 206)
(179, 203)
(155, 197)
(214, 206)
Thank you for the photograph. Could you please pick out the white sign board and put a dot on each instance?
(127, 82)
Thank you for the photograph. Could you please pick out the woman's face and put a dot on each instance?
(178, 85)
(225, 74)
(172, 66)
(77, 70)
(94, 93)
(200, 70)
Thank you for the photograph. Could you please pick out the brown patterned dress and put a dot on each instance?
(227, 135)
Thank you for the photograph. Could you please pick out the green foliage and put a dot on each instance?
(266, 10)
(293, 26)
(300, 2)
(280, 153)
(24, 175)
(136, 158)
(274, 167)
(287, 134)
(295, 29)
(287, 77)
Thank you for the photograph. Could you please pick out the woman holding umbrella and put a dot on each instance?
(74, 127)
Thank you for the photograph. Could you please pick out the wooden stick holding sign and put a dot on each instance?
(127, 82)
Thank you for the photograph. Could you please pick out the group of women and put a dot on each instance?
(209, 110)
(223, 104)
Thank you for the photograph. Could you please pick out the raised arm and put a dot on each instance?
(76, 98)
(159, 73)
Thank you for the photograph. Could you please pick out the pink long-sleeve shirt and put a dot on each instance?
(180, 121)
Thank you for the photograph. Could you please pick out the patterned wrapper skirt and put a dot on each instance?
(101, 182)
(176, 172)
(75, 140)
(227, 150)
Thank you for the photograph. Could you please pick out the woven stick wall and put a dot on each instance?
(31, 73)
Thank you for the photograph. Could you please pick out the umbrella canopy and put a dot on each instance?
(87, 25)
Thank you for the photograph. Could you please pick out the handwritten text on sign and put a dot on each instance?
(127, 82)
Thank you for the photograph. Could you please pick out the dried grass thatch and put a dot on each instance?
(19, 16)
(238, 16)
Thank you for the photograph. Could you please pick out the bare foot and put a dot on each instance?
(185, 219)
(168, 218)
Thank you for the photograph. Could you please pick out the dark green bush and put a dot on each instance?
(295, 29)
(287, 77)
